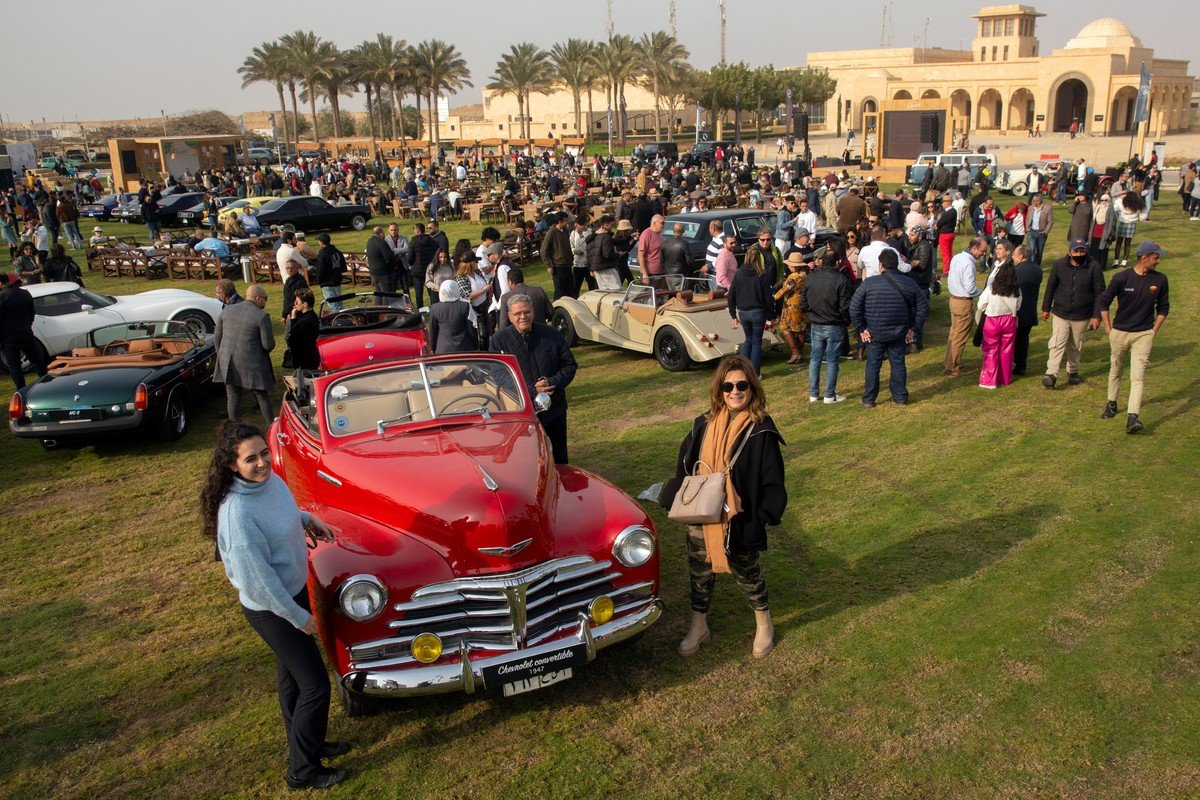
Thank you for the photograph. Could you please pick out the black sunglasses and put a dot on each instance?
(729, 386)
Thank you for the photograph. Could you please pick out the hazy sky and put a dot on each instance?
(147, 56)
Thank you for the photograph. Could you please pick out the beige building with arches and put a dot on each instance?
(1005, 83)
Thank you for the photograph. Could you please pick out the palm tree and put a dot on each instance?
(362, 72)
(312, 58)
(268, 63)
(525, 68)
(335, 80)
(573, 68)
(658, 55)
(440, 67)
(617, 61)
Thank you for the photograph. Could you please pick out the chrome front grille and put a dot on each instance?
(501, 612)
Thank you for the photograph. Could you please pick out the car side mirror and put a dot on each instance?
(617, 303)
(85, 307)
(541, 401)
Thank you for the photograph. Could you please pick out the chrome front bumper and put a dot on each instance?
(467, 675)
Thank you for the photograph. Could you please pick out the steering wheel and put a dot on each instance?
(344, 319)
(484, 399)
(116, 347)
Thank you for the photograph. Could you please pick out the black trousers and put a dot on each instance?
(303, 685)
(13, 348)
(579, 277)
(418, 284)
(1021, 349)
(556, 430)
(564, 282)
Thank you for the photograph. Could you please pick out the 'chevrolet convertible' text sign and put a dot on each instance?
(534, 666)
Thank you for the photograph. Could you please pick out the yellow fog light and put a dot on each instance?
(427, 648)
(601, 610)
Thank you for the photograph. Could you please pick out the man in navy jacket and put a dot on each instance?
(889, 312)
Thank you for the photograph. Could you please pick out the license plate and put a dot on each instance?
(530, 684)
(524, 667)
(74, 414)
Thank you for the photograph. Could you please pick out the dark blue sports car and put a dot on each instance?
(103, 208)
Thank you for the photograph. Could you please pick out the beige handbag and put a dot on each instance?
(701, 498)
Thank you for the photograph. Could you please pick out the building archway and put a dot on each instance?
(1071, 104)
(1124, 104)
(990, 107)
(903, 94)
(1020, 110)
(931, 94)
(960, 103)
(869, 106)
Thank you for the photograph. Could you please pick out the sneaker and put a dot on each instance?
(1110, 410)
(985, 386)
(322, 778)
(812, 398)
(1073, 379)
(1193, 219)
(1133, 424)
(837, 398)
(1049, 380)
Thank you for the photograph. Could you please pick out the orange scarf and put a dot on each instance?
(721, 436)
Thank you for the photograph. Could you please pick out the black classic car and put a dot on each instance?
(196, 216)
(741, 223)
(133, 375)
(312, 213)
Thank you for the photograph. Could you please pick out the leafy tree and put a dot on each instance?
(574, 68)
(719, 88)
(439, 68)
(764, 91)
(330, 126)
(335, 80)
(524, 69)
(202, 123)
(659, 54)
(680, 88)
(268, 63)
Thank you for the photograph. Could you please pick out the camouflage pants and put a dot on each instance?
(744, 566)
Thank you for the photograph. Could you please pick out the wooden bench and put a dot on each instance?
(194, 267)
(356, 270)
(264, 267)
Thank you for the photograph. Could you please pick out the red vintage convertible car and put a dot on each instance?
(465, 558)
(371, 327)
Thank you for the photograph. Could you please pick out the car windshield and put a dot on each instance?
(360, 305)
(384, 398)
(748, 227)
(271, 205)
(131, 331)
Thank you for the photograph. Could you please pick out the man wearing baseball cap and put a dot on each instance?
(331, 266)
(1073, 292)
(1143, 303)
(16, 328)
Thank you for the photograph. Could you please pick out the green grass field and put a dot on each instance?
(983, 594)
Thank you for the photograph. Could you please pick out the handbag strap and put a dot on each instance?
(741, 446)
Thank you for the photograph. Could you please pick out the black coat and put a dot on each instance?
(16, 314)
(920, 256)
(422, 249)
(758, 477)
(301, 334)
(450, 328)
(826, 297)
(1074, 292)
(1029, 278)
(292, 285)
(543, 354)
(675, 258)
(380, 258)
(750, 290)
(331, 265)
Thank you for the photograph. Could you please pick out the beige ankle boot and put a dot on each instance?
(697, 635)
(764, 634)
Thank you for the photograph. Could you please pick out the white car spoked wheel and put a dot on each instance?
(358, 222)
(671, 350)
(198, 321)
(1019, 189)
(563, 324)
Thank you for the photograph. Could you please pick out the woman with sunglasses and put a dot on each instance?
(735, 436)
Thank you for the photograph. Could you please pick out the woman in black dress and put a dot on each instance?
(301, 332)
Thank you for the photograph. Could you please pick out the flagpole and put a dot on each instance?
(1141, 112)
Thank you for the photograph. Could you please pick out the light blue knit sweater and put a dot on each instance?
(260, 535)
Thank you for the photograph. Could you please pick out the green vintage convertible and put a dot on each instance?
(132, 375)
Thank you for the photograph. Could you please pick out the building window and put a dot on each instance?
(1006, 52)
(451, 127)
(983, 54)
(500, 126)
(553, 126)
(987, 28)
(816, 114)
(1008, 27)
(994, 48)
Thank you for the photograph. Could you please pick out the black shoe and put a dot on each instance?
(1133, 424)
(868, 403)
(900, 402)
(334, 750)
(1073, 378)
(1110, 410)
(322, 778)
(1020, 373)
(1049, 380)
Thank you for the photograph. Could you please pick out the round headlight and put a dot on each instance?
(601, 609)
(427, 648)
(633, 546)
(361, 598)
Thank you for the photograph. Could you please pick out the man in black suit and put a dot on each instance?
(543, 309)
(1029, 278)
(381, 262)
(546, 366)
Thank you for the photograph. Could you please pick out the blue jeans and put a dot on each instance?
(153, 229)
(753, 322)
(897, 380)
(332, 291)
(827, 343)
(1037, 246)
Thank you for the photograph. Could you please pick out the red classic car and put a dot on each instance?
(371, 327)
(465, 558)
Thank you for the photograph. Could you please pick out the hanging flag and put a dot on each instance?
(788, 126)
(1142, 112)
(737, 119)
(272, 120)
(241, 124)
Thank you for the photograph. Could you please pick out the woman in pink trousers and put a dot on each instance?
(997, 314)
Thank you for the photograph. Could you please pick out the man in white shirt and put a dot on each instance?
(398, 243)
(288, 252)
(868, 257)
(960, 282)
(806, 218)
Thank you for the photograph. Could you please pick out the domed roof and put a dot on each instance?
(1106, 32)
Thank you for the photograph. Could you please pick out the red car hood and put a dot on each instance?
(459, 488)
